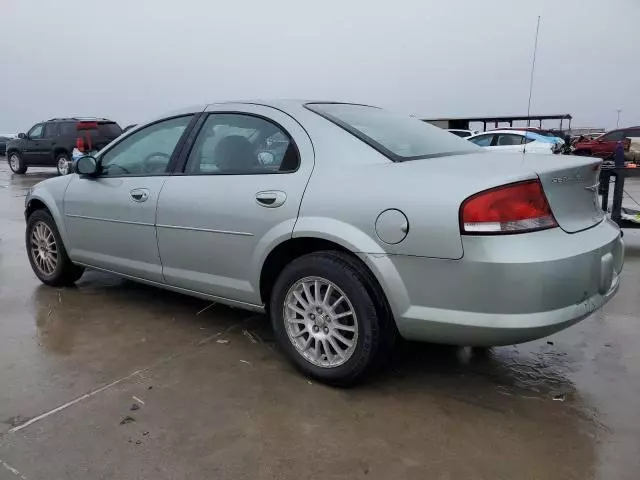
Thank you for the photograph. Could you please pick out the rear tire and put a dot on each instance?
(63, 164)
(16, 163)
(323, 339)
(46, 252)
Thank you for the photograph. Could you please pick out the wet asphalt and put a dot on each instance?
(112, 379)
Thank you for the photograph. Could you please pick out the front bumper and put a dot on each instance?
(506, 289)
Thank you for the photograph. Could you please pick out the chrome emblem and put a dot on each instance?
(577, 178)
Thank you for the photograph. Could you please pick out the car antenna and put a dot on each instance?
(533, 69)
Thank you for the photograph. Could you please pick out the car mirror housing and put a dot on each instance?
(87, 165)
(22, 135)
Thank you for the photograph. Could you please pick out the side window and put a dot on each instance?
(146, 152)
(613, 136)
(36, 132)
(509, 139)
(50, 130)
(633, 133)
(68, 128)
(231, 143)
(482, 140)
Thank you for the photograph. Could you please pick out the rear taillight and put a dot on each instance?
(515, 208)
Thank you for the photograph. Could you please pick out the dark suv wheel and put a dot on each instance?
(63, 163)
(46, 252)
(328, 318)
(16, 163)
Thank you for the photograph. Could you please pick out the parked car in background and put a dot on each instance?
(4, 139)
(539, 131)
(515, 141)
(50, 143)
(605, 145)
(347, 224)
(462, 133)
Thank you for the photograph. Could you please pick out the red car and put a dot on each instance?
(604, 145)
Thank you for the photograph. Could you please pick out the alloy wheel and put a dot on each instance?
(63, 166)
(14, 162)
(320, 322)
(44, 250)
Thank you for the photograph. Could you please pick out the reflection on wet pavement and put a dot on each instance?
(215, 399)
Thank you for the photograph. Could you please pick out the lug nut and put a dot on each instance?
(319, 310)
(326, 330)
(316, 329)
(312, 316)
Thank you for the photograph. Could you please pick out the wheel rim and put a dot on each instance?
(44, 250)
(14, 162)
(321, 322)
(63, 166)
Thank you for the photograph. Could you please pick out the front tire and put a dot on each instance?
(16, 163)
(63, 164)
(46, 252)
(327, 318)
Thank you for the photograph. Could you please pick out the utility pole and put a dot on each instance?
(618, 119)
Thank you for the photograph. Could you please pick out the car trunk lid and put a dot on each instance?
(571, 187)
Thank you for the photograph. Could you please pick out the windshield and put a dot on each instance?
(397, 136)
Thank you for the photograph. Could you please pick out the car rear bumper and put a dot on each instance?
(505, 289)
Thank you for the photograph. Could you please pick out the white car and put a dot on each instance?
(462, 133)
(515, 141)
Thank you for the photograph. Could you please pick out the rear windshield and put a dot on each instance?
(395, 135)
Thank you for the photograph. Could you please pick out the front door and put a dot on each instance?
(111, 218)
(31, 145)
(239, 194)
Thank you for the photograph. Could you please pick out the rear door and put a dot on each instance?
(236, 197)
(46, 145)
(111, 218)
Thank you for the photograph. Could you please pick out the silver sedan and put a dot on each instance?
(347, 224)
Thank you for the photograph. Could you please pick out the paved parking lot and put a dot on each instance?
(116, 380)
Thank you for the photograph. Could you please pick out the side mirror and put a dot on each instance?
(22, 135)
(87, 165)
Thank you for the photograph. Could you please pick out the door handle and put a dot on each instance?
(139, 194)
(271, 198)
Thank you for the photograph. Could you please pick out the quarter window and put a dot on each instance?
(238, 144)
(146, 152)
(36, 131)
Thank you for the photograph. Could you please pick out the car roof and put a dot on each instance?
(79, 119)
(504, 130)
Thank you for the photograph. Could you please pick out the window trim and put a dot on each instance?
(177, 150)
(188, 147)
(370, 141)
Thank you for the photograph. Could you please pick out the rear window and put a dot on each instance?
(397, 136)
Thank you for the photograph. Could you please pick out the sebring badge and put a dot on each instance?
(577, 178)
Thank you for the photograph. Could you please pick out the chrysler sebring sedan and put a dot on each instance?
(347, 224)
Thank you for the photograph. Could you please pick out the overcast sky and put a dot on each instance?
(132, 59)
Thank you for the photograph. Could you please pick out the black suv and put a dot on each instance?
(50, 143)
